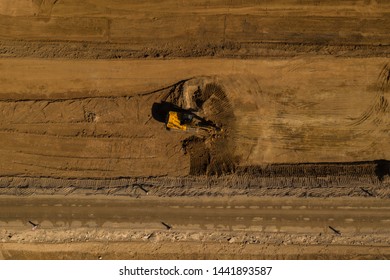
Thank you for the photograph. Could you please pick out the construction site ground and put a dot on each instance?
(300, 169)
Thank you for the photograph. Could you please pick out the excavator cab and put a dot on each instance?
(178, 120)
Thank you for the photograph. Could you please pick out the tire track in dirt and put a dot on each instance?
(376, 117)
(45, 7)
(294, 126)
(380, 102)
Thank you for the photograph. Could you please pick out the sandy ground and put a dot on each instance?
(300, 89)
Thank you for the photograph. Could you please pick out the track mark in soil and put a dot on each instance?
(199, 155)
(354, 179)
(384, 78)
(45, 7)
(377, 116)
(376, 168)
(377, 112)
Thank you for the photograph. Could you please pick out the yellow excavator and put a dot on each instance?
(187, 121)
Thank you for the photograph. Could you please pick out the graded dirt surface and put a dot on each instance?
(187, 28)
(299, 90)
(337, 111)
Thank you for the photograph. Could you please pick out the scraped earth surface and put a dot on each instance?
(300, 92)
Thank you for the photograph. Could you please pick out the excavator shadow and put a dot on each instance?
(161, 110)
(382, 168)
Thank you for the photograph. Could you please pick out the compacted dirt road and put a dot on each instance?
(208, 228)
(299, 88)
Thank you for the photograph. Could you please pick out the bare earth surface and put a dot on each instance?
(301, 90)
